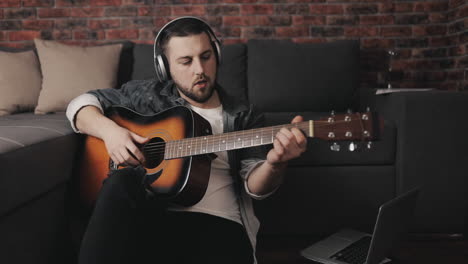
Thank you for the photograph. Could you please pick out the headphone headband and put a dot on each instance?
(160, 62)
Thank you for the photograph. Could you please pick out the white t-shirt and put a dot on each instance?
(220, 198)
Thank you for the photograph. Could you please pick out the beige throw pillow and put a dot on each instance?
(69, 71)
(20, 81)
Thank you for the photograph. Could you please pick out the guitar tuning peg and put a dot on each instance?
(335, 147)
(349, 111)
(332, 113)
(353, 146)
(368, 109)
(369, 145)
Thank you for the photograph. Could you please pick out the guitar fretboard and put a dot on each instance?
(229, 141)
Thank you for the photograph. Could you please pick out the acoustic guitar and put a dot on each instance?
(179, 152)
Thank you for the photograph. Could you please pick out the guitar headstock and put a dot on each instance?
(364, 126)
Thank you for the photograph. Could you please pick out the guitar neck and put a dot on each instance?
(230, 141)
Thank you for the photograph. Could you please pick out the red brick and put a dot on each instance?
(228, 32)
(150, 11)
(438, 17)
(257, 32)
(23, 35)
(430, 6)
(239, 20)
(289, 32)
(455, 3)
(457, 51)
(120, 11)
(342, 20)
(54, 12)
(161, 11)
(372, 43)
(309, 20)
(104, 24)
(59, 3)
(439, 41)
(292, 9)
(222, 10)
(326, 31)
(137, 22)
(20, 13)
(10, 3)
(56, 34)
(264, 9)
(159, 22)
(1, 13)
(455, 75)
(105, 2)
(240, 1)
(71, 23)
(197, 10)
(361, 31)
(360, 9)
(2, 36)
(38, 24)
(400, 7)
(213, 21)
(462, 12)
(10, 24)
(326, 9)
(87, 34)
(233, 41)
(395, 31)
(38, 3)
(429, 30)
(146, 33)
(274, 20)
(377, 20)
(87, 12)
(137, 2)
(122, 34)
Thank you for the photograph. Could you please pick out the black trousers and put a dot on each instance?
(128, 227)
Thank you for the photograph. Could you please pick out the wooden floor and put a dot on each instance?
(273, 250)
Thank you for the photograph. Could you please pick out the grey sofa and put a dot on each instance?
(422, 144)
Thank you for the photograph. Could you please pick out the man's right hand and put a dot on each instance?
(122, 148)
(120, 142)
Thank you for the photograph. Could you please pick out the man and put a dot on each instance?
(127, 225)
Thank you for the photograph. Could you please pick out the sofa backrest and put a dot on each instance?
(286, 76)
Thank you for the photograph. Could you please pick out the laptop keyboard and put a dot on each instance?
(355, 253)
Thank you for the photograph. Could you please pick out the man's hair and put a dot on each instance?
(181, 28)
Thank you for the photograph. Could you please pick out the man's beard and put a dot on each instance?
(199, 99)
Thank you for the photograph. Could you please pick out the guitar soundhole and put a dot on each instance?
(154, 152)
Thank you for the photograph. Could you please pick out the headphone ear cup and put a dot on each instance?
(217, 50)
(161, 67)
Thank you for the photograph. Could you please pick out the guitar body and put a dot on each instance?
(182, 180)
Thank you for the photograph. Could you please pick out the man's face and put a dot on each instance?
(192, 64)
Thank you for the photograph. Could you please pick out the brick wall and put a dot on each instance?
(429, 38)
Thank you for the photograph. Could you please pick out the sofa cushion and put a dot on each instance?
(231, 74)
(69, 71)
(313, 77)
(36, 154)
(20, 81)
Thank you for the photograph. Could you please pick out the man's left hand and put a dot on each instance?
(288, 144)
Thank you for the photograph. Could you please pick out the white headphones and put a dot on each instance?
(160, 61)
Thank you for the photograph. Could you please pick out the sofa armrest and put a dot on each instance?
(432, 144)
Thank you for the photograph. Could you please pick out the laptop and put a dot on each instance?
(354, 247)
